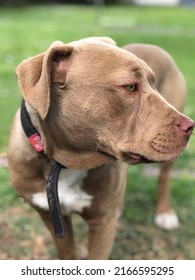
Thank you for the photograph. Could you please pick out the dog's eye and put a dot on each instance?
(131, 87)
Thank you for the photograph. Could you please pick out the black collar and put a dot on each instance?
(52, 183)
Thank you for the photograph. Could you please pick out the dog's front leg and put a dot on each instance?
(65, 246)
(101, 237)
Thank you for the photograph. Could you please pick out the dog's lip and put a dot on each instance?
(130, 157)
(134, 158)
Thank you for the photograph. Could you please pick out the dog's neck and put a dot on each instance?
(65, 155)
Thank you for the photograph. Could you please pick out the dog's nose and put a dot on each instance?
(185, 125)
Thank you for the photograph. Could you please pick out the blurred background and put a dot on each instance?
(98, 2)
(27, 28)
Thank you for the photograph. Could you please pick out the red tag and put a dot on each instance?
(36, 142)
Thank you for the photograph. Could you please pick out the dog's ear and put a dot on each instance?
(107, 40)
(34, 75)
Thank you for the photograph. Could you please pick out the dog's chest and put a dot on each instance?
(72, 197)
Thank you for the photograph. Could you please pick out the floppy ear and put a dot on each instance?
(34, 75)
(107, 40)
(94, 39)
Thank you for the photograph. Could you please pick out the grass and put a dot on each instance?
(28, 31)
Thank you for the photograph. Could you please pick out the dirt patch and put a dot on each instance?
(22, 236)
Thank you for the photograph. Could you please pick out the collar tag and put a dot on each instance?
(36, 141)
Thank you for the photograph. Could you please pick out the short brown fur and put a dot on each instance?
(80, 99)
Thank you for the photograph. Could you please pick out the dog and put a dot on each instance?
(96, 110)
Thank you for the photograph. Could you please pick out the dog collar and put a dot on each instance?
(31, 132)
(52, 183)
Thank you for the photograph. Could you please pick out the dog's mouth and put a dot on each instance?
(129, 157)
(134, 158)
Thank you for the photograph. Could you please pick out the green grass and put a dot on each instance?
(28, 31)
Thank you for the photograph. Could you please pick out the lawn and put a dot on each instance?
(28, 31)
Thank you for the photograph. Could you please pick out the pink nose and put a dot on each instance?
(186, 125)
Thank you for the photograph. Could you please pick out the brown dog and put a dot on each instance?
(170, 83)
(96, 109)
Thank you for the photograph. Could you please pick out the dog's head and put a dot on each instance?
(97, 102)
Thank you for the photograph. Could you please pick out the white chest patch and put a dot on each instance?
(72, 197)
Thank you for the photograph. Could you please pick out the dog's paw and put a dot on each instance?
(167, 220)
(82, 251)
